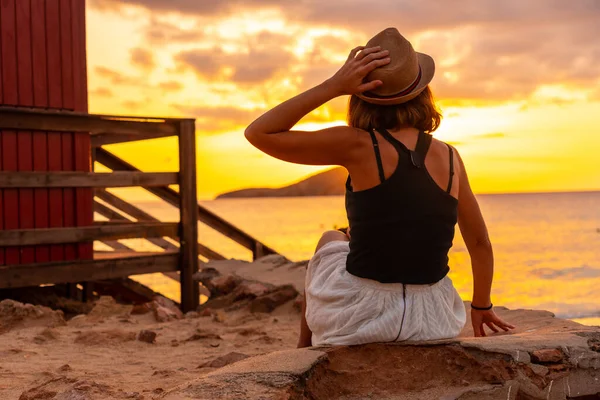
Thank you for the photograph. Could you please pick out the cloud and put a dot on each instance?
(215, 119)
(170, 86)
(132, 105)
(142, 58)
(102, 91)
(206, 63)
(370, 16)
(118, 78)
(509, 64)
(210, 8)
(253, 66)
(159, 32)
(486, 51)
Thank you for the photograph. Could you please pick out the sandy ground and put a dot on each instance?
(97, 356)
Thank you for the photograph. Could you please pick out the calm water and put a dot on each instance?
(547, 246)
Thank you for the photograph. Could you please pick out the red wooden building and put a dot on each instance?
(48, 192)
(43, 65)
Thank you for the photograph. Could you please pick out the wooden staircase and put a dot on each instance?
(181, 250)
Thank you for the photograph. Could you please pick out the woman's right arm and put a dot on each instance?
(475, 234)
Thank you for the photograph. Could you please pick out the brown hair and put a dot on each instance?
(420, 112)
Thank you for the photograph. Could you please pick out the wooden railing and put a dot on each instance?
(205, 216)
(125, 220)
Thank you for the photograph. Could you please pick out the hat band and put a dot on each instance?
(406, 91)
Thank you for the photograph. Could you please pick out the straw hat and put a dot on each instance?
(407, 74)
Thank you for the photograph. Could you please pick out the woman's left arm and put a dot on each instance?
(272, 132)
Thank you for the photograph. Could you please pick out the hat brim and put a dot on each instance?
(427, 72)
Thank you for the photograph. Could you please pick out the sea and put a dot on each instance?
(546, 245)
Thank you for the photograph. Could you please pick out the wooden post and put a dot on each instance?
(87, 294)
(188, 216)
(258, 251)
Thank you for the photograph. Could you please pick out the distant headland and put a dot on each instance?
(328, 183)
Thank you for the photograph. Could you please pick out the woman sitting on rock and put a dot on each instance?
(386, 280)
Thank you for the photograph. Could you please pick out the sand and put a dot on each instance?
(99, 357)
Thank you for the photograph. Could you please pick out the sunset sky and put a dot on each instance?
(518, 81)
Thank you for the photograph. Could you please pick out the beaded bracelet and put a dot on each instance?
(482, 308)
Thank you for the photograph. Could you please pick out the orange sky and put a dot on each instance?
(518, 82)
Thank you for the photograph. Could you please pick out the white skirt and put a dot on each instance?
(343, 309)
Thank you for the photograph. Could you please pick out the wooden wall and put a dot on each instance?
(43, 64)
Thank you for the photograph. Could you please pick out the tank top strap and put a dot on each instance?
(377, 156)
(398, 145)
(451, 156)
(421, 149)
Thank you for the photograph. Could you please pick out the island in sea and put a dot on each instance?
(328, 183)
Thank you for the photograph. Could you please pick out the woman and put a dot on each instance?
(386, 280)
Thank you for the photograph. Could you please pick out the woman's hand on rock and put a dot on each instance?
(479, 318)
(350, 78)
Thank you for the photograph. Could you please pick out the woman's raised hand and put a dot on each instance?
(489, 318)
(350, 78)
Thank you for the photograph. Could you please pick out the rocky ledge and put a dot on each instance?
(548, 358)
(544, 358)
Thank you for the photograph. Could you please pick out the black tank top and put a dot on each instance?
(402, 229)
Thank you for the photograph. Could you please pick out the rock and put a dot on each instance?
(500, 366)
(192, 315)
(269, 270)
(140, 309)
(219, 316)
(222, 361)
(224, 284)
(146, 336)
(206, 312)
(252, 289)
(65, 368)
(79, 321)
(38, 394)
(106, 307)
(200, 335)
(165, 310)
(134, 395)
(93, 338)
(46, 335)
(269, 302)
(15, 315)
(164, 373)
(241, 296)
(249, 331)
(163, 315)
(275, 260)
(205, 276)
(539, 369)
(547, 356)
(64, 388)
(48, 296)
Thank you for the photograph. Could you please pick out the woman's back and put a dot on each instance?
(403, 226)
(365, 174)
